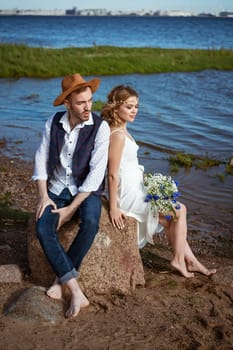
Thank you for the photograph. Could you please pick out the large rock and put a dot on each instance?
(32, 305)
(112, 265)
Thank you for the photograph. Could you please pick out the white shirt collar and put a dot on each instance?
(66, 125)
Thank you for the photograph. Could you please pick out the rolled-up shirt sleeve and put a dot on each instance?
(99, 159)
(41, 157)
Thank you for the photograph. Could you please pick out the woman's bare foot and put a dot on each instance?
(198, 267)
(181, 267)
(55, 291)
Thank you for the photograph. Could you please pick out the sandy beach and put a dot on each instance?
(170, 312)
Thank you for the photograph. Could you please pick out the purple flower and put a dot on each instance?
(155, 197)
(148, 198)
(168, 217)
(176, 194)
(178, 206)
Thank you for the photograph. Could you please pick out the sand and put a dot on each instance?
(170, 312)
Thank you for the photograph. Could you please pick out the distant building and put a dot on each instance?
(91, 12)
(175, 13)
(226, 14)
(71, 12)
(13, 12)
(203, 14)
(103, 12)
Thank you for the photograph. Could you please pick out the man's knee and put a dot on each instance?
(41, 229)
(91, 224)
(46, 223)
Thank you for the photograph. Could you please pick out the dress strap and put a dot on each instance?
(118, 129)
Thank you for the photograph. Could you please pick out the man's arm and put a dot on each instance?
(66, 213)
(44, 199)
(40, 171)
(99, 160)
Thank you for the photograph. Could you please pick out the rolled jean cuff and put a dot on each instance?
(71, 274)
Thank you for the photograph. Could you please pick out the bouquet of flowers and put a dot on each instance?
(162, 192)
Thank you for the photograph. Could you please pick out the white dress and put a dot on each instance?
(131, 194)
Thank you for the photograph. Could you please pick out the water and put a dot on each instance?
(165, 32)
(188, 112)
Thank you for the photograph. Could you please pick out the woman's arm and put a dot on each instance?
(117, 141)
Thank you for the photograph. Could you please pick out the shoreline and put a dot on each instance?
(199, 309)
(206, 230)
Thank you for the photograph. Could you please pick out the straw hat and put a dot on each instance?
(74, 82)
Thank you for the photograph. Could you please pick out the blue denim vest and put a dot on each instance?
(82, 154)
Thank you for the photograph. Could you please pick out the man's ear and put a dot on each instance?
(66, 103)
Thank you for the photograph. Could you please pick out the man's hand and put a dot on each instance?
(42, 204)
(65, 214)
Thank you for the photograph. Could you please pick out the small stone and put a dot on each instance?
(5, 248)
(10, 274)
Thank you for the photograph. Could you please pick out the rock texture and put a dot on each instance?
(10, 274)
(112, 265)
(32, 305)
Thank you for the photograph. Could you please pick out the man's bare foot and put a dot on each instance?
(55, 291)
(198, 267)
(78, 301)
(182, 269)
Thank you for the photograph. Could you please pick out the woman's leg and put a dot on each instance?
(194, 265)
(176, 232)
(183, 258)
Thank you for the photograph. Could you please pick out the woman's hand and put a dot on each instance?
(117, 218)
(42, 204)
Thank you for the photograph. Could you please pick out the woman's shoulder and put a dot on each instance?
(118, 130)
(118, 133)
(117, 138)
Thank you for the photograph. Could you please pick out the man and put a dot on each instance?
(70, 166)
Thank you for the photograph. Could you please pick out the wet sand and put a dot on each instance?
(170, 312)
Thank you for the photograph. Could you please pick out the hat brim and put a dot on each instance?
(93, 84)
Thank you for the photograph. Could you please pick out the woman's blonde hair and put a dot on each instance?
(116, 97)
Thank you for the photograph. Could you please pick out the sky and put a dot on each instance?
(195, 6)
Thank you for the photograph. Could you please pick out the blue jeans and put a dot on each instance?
(66, 264)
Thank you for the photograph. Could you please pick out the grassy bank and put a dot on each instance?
(23, 61)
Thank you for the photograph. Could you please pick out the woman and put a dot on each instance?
(126, 191)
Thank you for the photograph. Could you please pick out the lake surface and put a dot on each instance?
(189, 112)
(74, 31)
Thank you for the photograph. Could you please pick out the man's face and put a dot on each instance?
(79, 106)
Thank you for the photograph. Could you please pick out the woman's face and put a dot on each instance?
(128, 109)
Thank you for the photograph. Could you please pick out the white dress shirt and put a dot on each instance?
(63, 173)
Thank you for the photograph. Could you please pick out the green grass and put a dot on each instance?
(187, 160)
(23, 61)
(9, 213)
(97, 105)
